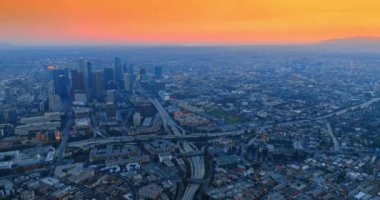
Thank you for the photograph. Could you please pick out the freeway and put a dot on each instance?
(180, 133)
(197, 170)
(65, 136)
(352, 108)
(167, 120)
(133, 138)
(196, 162)
(333, 138)
(197, 165)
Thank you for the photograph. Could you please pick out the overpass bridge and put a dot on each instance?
(189, 154)
(136, 138)
(198, 181)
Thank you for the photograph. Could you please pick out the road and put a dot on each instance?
(197, 170)
(65, 135)
(196, 162)
(352, 108)
(180, 133)
(331, 133)
(167, 120)
(132, 138)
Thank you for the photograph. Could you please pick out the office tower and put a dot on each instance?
(110, 96)
(125, 67)
(41, 106)
(82, 65)
(159, 85)
(118, 72)
(97, 85)
(142, 73)
(158, 71)
(110, 103)
(146, 109)
(61, 82)
(88, 74)
(109, 83)
(80, 98)
(136, 119)
(131, 72)
(77, 81)
(8, 115)
(127, 82)
(54, 102)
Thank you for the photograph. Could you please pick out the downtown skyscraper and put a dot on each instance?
(118, 72)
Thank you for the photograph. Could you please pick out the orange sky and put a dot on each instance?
(185, 21)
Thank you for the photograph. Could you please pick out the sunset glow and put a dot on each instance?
(185, 21)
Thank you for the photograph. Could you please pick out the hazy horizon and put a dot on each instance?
(358, 39)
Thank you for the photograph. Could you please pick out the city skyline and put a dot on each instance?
(189, 99)
(185, 22)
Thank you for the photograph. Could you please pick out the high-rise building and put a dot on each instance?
(8, 115)
(118, 72)
(110, 103)
(127, 82)
(80, 98)
(97, 86)
(110, 96)
(146, 109)
(85, 67)
(109, 81)
(88, 74)
(131, 72)
(125, 67)
(54, 103)
(159, 85)
(136, 119)
(82, 65)
(142, 73)
(158, 71)
(61, 82)
(77, 81)
(42, 106)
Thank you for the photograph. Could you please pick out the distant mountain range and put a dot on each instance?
(353, 40)
(351, 44)
(360, 44)
(4, 45)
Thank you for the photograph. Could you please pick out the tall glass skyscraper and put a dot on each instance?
(158, 71)
(77, 81)
(118, 72)
(109, 81)
(61, 82)
(97, 85)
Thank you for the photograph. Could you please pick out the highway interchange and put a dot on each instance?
(196, 162)
(197, 168)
